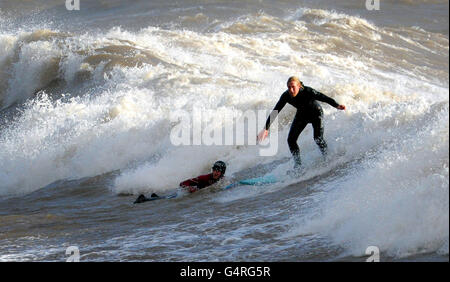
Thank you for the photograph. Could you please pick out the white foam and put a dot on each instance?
(397, 200)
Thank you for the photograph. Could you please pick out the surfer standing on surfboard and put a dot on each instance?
(305, 99)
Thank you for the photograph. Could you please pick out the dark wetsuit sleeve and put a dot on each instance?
(190, 182)
(324, 98)
(200, 182)
(278, 107)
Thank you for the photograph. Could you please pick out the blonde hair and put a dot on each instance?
(294, 78)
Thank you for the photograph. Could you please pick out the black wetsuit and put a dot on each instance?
(308, 111)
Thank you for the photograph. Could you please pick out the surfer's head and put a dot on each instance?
(294, 85)
(219, 169)
(293, 78)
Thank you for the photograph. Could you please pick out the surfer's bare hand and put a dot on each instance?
(341, 107)
(262, 135)
(193, 189)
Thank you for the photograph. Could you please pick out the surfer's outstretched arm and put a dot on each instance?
(190, 189)
(278, 107)
(190, 185)
(324, 98)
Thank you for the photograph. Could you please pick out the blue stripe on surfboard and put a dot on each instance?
(267, 179)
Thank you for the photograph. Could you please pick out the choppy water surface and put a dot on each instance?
(85, 104)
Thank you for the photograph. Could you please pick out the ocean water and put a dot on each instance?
(86, 104)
